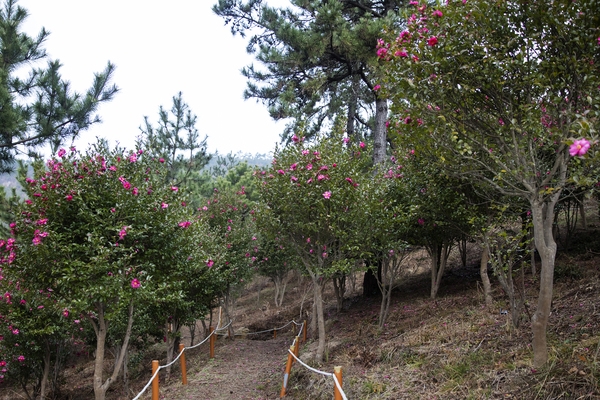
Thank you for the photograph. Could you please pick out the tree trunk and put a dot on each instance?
(46, 372)
(485, 279)
(100, 328)
(352, 106)
(339, 287)
(318, 292)
(439, 254)
(379, 133)
(543, 217)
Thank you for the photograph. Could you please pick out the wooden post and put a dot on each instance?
(274, 333)
(288, 369)
(296, 346)
(211, 342)
(337, 371)
(155, 380)
(304, 331)
(182, 362)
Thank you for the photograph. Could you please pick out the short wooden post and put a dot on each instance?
(211, 342)
(296, 346)
(182, 362)
(155, 380)
(288, 369)
(294, 327)
(274, 333)
(304, 331)
(337, 371)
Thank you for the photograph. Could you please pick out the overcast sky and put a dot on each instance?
(159, 49)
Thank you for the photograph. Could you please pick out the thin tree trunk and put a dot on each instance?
(46, 372)
(379, 133)
(543, 218)
(101, 386)
(485, 279)
(439, 257)
(318, 291)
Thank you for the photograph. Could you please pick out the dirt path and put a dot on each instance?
(242, 370)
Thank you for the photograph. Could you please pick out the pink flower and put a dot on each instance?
(210, 263)
(174, 189)
(185, 224)
(327, 194)
(21, 358)
(376, 87)
(579, 147)
(401, 53)
(421, 221)
(382, 52)
(122, 233)
(281, 172)
(161, 160)
(135, 191)
(309, 167)
(61, 153)
(135, 283)
(132, 158)
(361, 145)
(65, 313)
(432, 41)
(295, 139)
(164, 205)
(437, 13)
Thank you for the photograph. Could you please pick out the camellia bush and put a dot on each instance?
(311, 190)
(504, 94)
(99, 233)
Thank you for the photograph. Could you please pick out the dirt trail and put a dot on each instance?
(242, 369)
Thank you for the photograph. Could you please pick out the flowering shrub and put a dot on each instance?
(102, 232)
(312, 189)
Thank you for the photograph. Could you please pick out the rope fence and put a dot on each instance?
(293, 351)
(156, 368)
(292, 357)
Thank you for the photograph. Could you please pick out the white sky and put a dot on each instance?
(159, 49)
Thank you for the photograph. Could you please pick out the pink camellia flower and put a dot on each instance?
(327, 194)
(362, 145)
(437, 13)
(579, 147)
(210, 263)
(324, 255)
(185, 224)
(281, 172)
(164, 205)
(174, 189)
(65, 313)
(161, 160)
(135, 283)
(133, 158)
(376, 87)
(15, 331)
(122, 233)
(135, 191)
(21, 358)
(382, 52)
(421, 221)
(401, 53)
(61, 153)
(432, 41)
(73, 149)
(295, 139)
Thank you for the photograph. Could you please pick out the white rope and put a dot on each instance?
(337, 384)
(177, 358)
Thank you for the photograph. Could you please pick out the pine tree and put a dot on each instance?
(41, 108)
